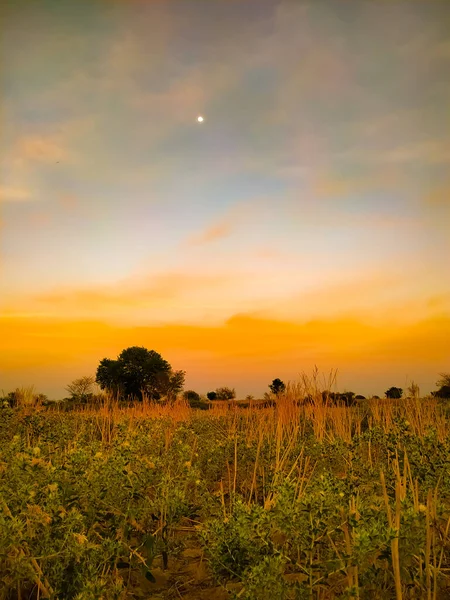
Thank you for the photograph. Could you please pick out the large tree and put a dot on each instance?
(137, 371)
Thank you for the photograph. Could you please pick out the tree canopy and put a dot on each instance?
(394, 393)
(81, 389)
(137, 372)
(277, 386)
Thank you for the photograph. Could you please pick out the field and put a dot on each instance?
(299, 500)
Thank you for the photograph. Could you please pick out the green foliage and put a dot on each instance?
(99, 500)
(277, 387)
(138, 371)
(394, 393)
(211, 396)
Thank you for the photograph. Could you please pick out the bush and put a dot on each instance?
(225, 393)
(199, 404)
(443, 392)
(24, 397)
(394, 393)
(191, 396)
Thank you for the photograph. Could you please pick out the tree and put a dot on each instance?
(442, 392)
(249, 397)
(211, 396)
(444, 380)
(172, 383)
(444, 386)
(109, 376)
(394, 393)
(277, 387)
(136, 372)
(347, 398)
(81, 390)
(360, 397)
(225, 393)
(191, 397)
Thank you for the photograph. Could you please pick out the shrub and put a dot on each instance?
(225, 393)
(394, 393)
(191, 396)
(277, 387)
(443, 392)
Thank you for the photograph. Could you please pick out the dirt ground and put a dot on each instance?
(187, 576)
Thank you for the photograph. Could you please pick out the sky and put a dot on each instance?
(304, 222)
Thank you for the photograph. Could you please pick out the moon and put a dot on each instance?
(200, 119)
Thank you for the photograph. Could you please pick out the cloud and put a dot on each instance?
(252, 209)
(429, 151)
(243, 351)
(328, 187)
(130, 298)
(11, 194)
(438, 196)
(211, 234)
(40, 148)
(379, 296)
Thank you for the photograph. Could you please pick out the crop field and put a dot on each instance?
(298, 500)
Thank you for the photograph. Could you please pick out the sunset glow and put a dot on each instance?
(306, 224)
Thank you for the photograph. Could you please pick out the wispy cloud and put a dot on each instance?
(211, 234)
(11, 194)
(43, 149)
